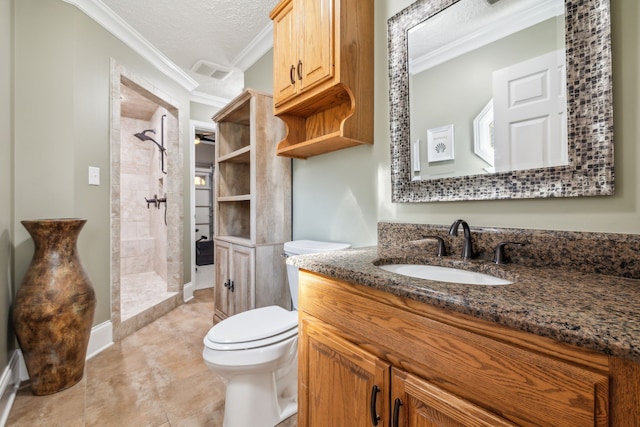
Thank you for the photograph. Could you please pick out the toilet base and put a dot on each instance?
(261, 400)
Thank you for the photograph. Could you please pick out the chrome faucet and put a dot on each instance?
(467, 249)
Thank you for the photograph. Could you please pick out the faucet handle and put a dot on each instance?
(441, 251)
(498, 256)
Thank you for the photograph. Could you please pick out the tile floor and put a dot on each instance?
(140, 291)
(154, 377)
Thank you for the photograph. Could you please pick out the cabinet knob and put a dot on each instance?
(372, 408)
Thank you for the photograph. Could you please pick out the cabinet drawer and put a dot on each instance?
(521, 385)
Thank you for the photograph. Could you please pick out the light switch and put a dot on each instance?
(94, 175)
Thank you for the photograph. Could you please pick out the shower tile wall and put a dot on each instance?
(143, 243)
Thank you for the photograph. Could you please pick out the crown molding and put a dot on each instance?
(207, 99)
(544, 10)
(111, 22)
(256, 49)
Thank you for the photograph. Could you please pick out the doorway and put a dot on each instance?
(146, 225)
(202, 211)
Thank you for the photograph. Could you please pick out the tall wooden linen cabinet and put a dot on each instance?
(253, 207)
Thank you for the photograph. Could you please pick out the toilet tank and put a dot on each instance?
(301, 247)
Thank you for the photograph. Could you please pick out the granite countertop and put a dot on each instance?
(594, 311)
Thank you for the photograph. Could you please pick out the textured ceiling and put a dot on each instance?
(188, 31)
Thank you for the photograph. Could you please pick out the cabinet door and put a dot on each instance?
(221, 294)
(316, 34)
(340, 384)
(241, 294)
(235, 279)
(285, 55)
(417, 403)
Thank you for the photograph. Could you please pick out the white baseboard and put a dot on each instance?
(204, 286)
(9, 383)
(100, 339)
(187, 291)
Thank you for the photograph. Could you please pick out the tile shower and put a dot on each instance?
(143, 238)
(146, 204)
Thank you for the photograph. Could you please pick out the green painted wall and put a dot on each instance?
(62, 126)
(342, 195)
(260, 75)
(202, 112)
(7, 343)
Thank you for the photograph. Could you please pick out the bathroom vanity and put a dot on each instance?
(556, 347)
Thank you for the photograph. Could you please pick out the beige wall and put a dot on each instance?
(7, 343)
(62, 117)
(342, 195)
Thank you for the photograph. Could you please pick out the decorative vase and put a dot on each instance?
(54, 307)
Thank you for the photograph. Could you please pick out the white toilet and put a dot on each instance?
(257, 353)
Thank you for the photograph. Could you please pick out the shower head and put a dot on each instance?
(142, 136)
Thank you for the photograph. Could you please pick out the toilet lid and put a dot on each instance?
(254, 328)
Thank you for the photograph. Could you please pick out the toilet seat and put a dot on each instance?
(252, 329)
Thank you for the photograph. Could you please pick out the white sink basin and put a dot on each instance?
(444, 274)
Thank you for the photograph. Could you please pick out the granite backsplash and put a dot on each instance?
(587, 252)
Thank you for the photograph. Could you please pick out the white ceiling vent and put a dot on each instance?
(210, 69)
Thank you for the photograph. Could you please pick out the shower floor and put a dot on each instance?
(141, 291)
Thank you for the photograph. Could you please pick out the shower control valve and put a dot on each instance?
(161, 200)
(153, 201)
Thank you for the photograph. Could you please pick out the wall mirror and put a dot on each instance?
(499, 99)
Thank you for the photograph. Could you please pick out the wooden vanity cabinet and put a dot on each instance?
(323, 74)
(443, 368)
(338, 379)
(418, 403)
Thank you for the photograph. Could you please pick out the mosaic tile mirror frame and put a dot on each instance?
(589, 119)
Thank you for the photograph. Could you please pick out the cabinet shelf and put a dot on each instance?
(313, 147)
(242, 155)
(316, 128)
(238, 198)
(238, 240)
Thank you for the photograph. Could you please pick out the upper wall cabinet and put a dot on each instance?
(323, 74)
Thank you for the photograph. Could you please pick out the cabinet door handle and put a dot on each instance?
(299, 70)
(231, 285)
(292, 76)
(372, 401)
(396, 412)
(226, 284)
